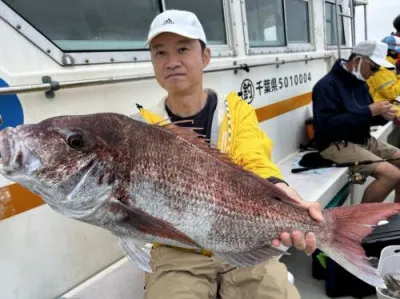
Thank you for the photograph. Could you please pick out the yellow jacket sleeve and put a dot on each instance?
(386, 83)
(252, 147)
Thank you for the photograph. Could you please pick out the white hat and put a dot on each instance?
(375, 50)
(181, 22)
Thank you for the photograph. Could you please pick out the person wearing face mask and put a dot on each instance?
(344, 111)
(385, 84)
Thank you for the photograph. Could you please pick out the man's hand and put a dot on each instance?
(307, 243)
(380, 108)
(390, 115)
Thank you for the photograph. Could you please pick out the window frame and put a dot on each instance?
(289, 47)
(347, 42)
(76, 57)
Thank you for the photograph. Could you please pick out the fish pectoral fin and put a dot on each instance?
(154, 226)
(136, 252)
(251, 258)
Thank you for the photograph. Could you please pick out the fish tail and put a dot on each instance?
(348, 226)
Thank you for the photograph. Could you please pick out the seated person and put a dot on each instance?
(384, 85)
(343, 113)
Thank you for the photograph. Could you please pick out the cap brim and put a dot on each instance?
(170, 29)
(383, 62)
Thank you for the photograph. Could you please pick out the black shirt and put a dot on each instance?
(203, 119)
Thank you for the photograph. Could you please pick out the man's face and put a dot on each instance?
(368, 67)
(178, 62)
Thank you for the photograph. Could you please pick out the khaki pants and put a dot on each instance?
(349, 152)
(184, 275)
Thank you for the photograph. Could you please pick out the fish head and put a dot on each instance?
(69, 161)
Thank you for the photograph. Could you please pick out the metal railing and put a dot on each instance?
(338, 31)
(49, 86)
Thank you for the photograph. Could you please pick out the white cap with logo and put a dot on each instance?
(180, 22)
(375, 50)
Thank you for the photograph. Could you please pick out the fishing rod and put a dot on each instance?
(345, 164)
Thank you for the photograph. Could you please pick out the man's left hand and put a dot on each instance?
(390, 114)
(308, 242)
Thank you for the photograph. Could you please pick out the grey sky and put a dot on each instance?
(380, 14)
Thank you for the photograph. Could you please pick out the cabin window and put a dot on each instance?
(88, 26)
(280, 24)
(88, 32)
(265, 23)
(298, 21)
(331, 26)
(210, 14)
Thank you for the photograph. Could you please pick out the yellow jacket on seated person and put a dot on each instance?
(385, 85)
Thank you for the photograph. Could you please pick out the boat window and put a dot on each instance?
(277, 26)
(88, 26)
(298, 21)
(210, 14)
(89, 31)
(265, 23)
(330, 25)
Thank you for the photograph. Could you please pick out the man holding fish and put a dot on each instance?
(179, 54)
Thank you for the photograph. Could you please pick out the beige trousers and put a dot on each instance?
(373, 150)
(184, 275)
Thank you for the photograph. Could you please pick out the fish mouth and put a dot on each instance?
(15, 157)
(7, 144)
(5, 148)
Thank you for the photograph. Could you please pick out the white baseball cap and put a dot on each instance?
(180, 22)
(375, 50)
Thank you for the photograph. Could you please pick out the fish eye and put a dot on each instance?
(75, 141)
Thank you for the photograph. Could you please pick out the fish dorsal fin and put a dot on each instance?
(195, 139)
(188, 134)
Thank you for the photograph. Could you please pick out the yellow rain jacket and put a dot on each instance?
(235, 131)
(385, 85)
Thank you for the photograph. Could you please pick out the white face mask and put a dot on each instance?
(357, 73)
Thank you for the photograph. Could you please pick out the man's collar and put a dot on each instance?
(340, 69)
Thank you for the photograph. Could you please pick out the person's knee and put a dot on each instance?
(176, 285)
(387, 172)
(275, 282)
